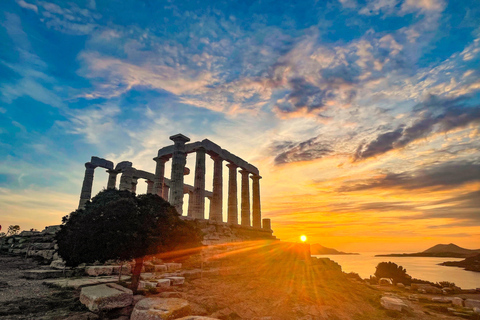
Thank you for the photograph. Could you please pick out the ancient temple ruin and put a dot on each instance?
(173, 189)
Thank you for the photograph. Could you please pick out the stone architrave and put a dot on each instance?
(179, 159)
(256, 209)
(160, 176)
(245, 205)
(232, 194)
(216, 205)
(199, 185)
(150, 185)
(86, 192)
(112, 179)
(126, 179)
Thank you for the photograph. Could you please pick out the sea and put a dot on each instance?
(424, 268)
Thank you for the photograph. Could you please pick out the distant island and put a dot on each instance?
(440, 250)
(469, 264)
(319, 249)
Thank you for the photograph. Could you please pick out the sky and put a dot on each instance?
(363, 117)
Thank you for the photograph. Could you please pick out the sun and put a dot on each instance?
(303, 238)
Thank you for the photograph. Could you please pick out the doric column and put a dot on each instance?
(166, 191)
(86, 192)
(179, 159)
(245, 205)
(256, 209)
(150, 185)
(159, 176)
(134, 185)
(190, 211)
(199, 186)
(112, 179)
(217, 192)
(126, 179)
(232, 194)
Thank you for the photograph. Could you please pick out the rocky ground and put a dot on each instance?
(247, 285)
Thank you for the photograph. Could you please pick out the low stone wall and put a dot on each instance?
(40, 244)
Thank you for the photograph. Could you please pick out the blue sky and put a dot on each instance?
(362, 116)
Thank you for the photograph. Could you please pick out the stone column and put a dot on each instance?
(199, 186)
(159, 176)
(112, 179)
(134, 185)
(166, 191)
(179, 159)
(190, 212)
(256, 209)
(232, 194)
(267, 224)
(126, 179)
(86, 192)
(150, 186)
(217, 192)
(245, 205)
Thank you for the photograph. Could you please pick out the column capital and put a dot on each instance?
(90, 165)
(232, 166)
(244, 172)
(255, 177)
(112, 171)
(216, 157)
(162, 159)
(179, 138)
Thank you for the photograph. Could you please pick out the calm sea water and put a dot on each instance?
(418, 267)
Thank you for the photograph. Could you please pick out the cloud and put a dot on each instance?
(27, 5)
(438, 177)
(423, 5)
(311, 149)
(437, 115)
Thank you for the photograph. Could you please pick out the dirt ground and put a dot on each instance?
(257, 288)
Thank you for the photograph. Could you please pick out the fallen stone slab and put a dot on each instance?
(147, 276)
(43, 274)
(106, 297)
(160, 268)
(197, 318)
(173, 266)
(471, 303)
(57, 264)
(143, 284)
(99, 270)
(442, 299)
(176, 281)
(126, 269)
(77, 283)
(393, 303)
(160, 309)
(163, 283)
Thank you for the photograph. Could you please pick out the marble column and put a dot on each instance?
(199, 186)
(256, 208)
(126, 179)
(150, 185)
(159, 176)
(190, 211)
(245, 205)
(134, 185)
(179, 159)
(217, 192)
(86, 192)
(166, 191)
(232, 194)
(112, 179)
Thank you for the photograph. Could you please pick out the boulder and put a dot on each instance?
(160, 309)
(426, 288)
(385, 281)
(99, 270)
(393, 303)
(458, 302)
(57, 264)
(106, 297)
(400, 285)
(471, 303)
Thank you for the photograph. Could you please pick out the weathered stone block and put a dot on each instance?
(160, 268)
(42, 246)
(393, 303)
(142, 284)
(57, 264)
(163, 283)
(458, 302)
(197, 318)
(471, 303)
(99, 270)
(176, 281)
(173, 266)
(42, 274)
(147, 276)
(126, 269)
(160, 309)
(106, 297)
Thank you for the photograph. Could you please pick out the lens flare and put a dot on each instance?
(303, 238)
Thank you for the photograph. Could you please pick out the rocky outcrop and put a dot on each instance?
(393, 303)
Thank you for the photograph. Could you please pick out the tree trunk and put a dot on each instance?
(136, 273)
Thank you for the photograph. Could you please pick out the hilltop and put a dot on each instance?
(317, 249)
(440, 250)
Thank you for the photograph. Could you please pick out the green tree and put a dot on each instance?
(119, 225)
(393, 271)
(13, 230)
